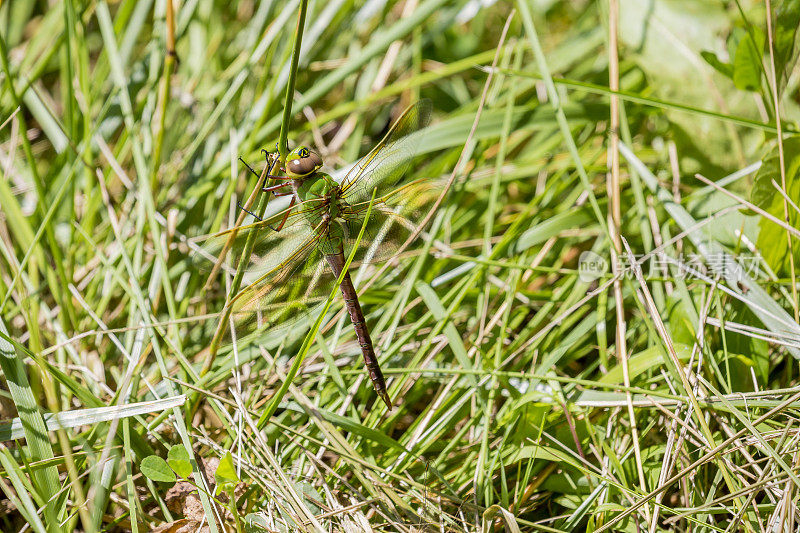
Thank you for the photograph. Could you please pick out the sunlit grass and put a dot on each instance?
(497, 328)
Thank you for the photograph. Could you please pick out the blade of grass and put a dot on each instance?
(46, 480)
(629, 96)
(19, 496)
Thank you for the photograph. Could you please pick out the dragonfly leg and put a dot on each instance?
(269, 171)
(286, 216)
(250, 168)
(283, 221)
(243, 208)
(273, 188)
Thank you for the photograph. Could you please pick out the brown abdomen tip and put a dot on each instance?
(386, 400)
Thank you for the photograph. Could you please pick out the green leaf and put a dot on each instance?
(456, 344)
(178, 459)
(155, 468)
(787, 20)
(747, 65)
(528, 412)
(726, 69)
(256, 522)
(760, 39)
(733, 41)
(311, 498)
(648, 359)
(543, 230)
(225, 474)
(771, 237)
(14, 370)
(541, 453)
(741, 369)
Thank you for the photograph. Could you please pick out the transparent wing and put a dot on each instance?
(276, 287)
(295, 289)
(285, 291)
(386, 164)
(288, 280)
(230, 243)
(395, 216)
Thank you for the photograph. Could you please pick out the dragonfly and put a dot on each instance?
(300, 252)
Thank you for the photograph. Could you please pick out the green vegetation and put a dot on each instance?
(595, 329)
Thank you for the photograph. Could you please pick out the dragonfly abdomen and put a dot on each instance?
(336, 262)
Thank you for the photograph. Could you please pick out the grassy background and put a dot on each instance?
(657, 394)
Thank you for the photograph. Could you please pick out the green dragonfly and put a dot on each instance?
(295, 262)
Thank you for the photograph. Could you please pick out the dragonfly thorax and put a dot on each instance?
(315, 188)
(322, 197)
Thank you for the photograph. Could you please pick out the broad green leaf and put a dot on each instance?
(756, 349)
(456, 344)
(225, 475)
(311, 498)
(681, 321)
(772, 241)
(178, 459)
(647, 26)
(610, 507)
(155, 468)
(45, 480)
(747, 64)
(535, 452)
(742, 370)
(527, 412)
(551, 227)
(255, 522)
(787, 20)
(542, 453)
(733, 41)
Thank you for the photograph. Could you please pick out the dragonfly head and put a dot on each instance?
(302, 162)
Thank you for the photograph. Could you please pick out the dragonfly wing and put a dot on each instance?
(290, 296)
(394, 218)
(274, 289)
(270, 248)
(385, 164)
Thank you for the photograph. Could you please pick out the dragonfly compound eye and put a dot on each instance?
(302, 162)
